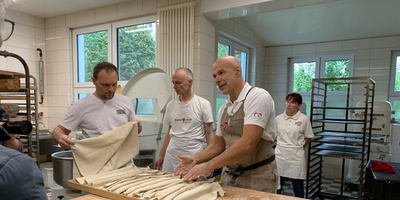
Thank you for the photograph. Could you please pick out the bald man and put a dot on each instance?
(245, 135)
(189, 119)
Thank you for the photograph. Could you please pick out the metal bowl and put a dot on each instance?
(62, 167)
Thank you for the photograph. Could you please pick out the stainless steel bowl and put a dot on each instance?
(62, 167)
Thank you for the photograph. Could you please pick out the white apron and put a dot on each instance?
(183, 146)
(291, 162)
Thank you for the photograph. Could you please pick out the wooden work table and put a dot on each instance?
(231, 193)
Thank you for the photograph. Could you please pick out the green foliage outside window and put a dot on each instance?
(303, 75)
(397, 79)
(223, 50)
(136, 50)
(337, 69)
(96, 50)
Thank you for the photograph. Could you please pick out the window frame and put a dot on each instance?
(111, 28)
(392, 80)
(320, 73)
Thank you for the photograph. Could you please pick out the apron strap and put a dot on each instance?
(236, 172)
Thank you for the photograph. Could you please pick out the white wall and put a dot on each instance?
(52, 35)
(372, 58)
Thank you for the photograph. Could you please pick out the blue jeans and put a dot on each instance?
(298, 187)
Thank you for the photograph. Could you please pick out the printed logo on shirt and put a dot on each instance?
(183, 120)
(257, 115)
(298, 123)
(224, 126)
(120, 112)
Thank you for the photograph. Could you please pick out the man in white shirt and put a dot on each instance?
(245, 135)
(98, 113)
(189, 118)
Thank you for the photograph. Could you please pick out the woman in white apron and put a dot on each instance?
(294, 134)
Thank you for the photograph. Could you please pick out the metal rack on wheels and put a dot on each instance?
(23, 101)
(332, 125)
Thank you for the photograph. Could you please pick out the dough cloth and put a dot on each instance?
(106, 152)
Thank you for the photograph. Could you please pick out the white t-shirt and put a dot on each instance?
(187, 118)
(292, 130)
(259, 109)
(96, 116)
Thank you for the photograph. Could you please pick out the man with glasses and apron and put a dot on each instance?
(245, 135)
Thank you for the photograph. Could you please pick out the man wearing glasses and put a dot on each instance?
(20, 177)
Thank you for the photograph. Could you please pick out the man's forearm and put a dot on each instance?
(212, 150)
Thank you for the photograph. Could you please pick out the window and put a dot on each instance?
(303, 70)
(130, 45)
(394, 94)
(227, 47)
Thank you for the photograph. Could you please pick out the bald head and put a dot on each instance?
(229, 61)
(188, 73)
(228, 76)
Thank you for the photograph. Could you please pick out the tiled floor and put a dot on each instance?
(331, 186)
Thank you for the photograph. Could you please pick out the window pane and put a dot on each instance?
(302, 77)
(82, 95)
(136, 49)
(337, 69)
(396, 107)
(145, 106)
(92, 48)
(223, 49)
(242, 57)
(397, 79)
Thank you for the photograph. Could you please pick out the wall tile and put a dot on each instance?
(106, 12)
(385, 42)
(161, 3)
(39, 34)
(50, 34)
(61, 32)
(278, 69)
(50, 22)
(205, 42)
(379, 64)
(205, 26)
(51, 45)
(361, 65)
(20, 18)
(24, 30)
(329, 47)
(70, 20)
(304, 49)
(362, 54)
(280, 51)
(85, 16)
(60, 21)
(150, 5)
(39, 22)
(21, 42)
(130, 7)
(278, 60)
(357, 44)
(381, 53)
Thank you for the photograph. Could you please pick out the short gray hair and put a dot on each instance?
(188, 72)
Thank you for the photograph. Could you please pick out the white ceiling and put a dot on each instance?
(318, 21)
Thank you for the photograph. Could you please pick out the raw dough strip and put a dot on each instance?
(112, 176)
(141, 185)
(121, 189)
(81, 180)
(158, 184)
(139, 173)
(167, 191)
(149, 194)
(171, 196)
(204, 191)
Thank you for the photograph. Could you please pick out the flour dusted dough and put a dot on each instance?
(204, 191)
(107, 152)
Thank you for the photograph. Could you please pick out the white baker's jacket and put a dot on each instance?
(290, 155)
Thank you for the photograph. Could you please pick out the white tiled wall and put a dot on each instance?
(52, 35)
(372, 58)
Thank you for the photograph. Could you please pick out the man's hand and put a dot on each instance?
(159, 163)
(185, 165)
(66, 142)
(139, 125)
(198, 170)
(12, 142)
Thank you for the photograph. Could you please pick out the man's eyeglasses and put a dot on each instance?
(7, 29)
